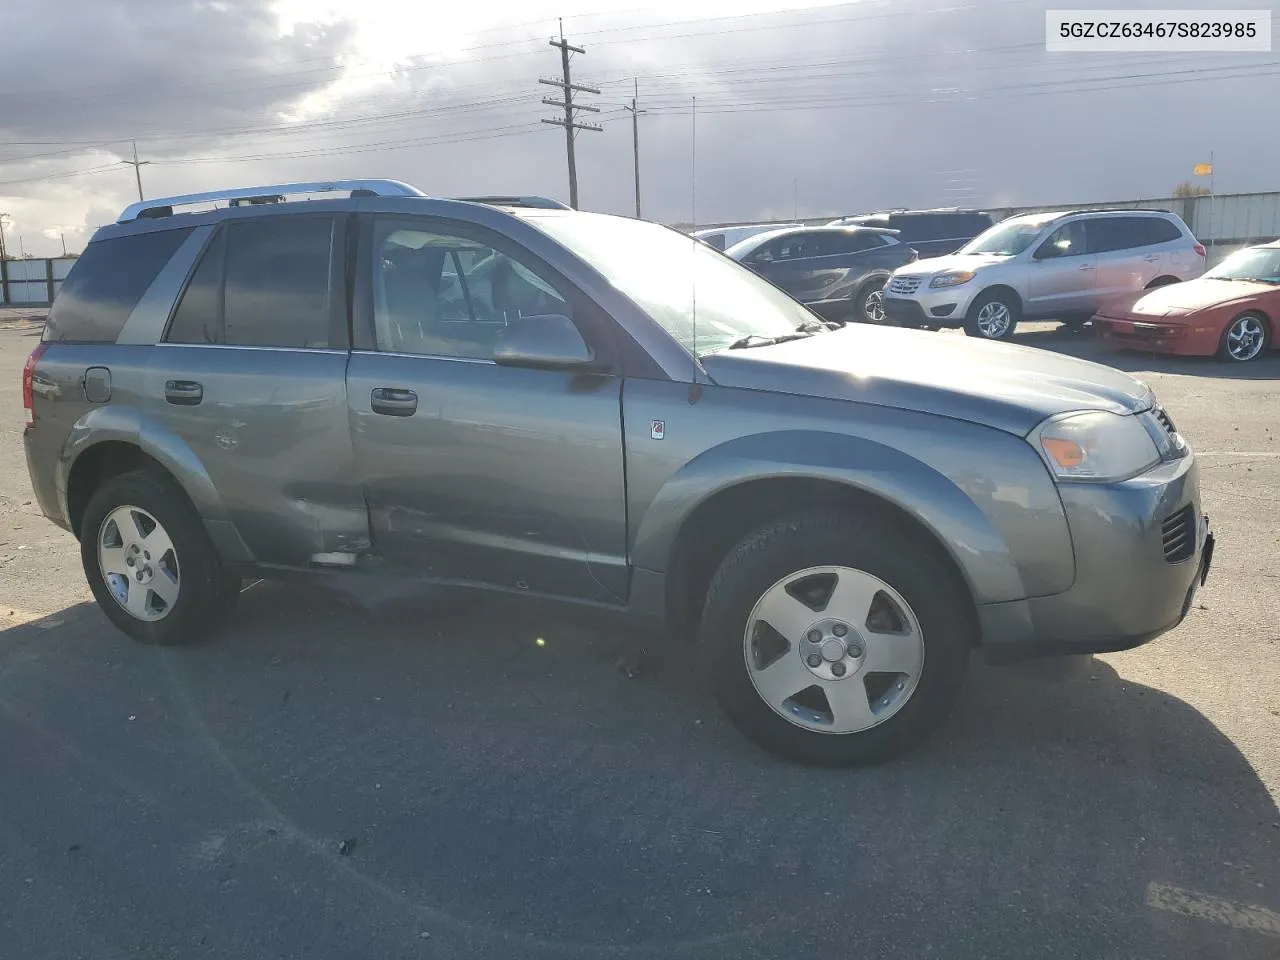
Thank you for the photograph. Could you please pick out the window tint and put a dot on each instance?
(276, 291)
(106, 283)
(448, 296)
(1067, 241)
(1160, 230)
(851, 242)
(1120, 233)
(198, 318)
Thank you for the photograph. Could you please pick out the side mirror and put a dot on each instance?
(1046, 251)
(544, 342)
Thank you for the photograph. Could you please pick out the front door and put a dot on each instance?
(476, 472)
(251, 376)
(1061, 276)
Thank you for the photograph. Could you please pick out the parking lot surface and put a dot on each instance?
(321, 782)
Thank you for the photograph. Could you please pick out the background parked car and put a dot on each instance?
(931, 233)
(1058, 266)
(1230, 311)
(722, 238)
(836, 271)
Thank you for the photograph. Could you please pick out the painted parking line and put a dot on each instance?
(1237, 453)
(1190, 903)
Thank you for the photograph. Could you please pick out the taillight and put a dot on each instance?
(1200, 249)
(28, 374)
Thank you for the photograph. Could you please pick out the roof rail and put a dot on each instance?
(274, 193)
(1071, 213)
(536, 203)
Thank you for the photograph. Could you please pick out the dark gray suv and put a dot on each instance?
(388, 393)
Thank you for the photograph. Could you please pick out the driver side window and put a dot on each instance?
(1066, 241)
(448, 296)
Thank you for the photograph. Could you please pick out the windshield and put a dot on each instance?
(1004, 239)
(666, 273)
(1254, 263)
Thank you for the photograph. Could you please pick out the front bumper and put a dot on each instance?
(1130, 586)
(944, 307)
(1181, 339)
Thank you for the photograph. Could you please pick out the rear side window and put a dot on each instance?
(261, 283)
(1123, 233)
(1160, 230)
(106, 283)
(277, 282)
(851, 242)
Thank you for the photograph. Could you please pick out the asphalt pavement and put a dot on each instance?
(318, 782)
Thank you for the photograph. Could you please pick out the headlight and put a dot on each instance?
(952, 278)
(1095, 445)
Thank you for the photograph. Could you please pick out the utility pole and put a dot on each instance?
(63, 238)
(137, 167)
(635, 141)
(3, 218)
(570, 124)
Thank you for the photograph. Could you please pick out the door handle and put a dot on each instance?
(1086, 266)
(393, 402)
(1151, 258)
(183, 393)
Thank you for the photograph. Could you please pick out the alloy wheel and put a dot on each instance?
(138, 563)
(873, 308)
(1245, 338)
(994, 319)
(833, 649)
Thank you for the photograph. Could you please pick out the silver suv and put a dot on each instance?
(386, 393)
(1043, 266)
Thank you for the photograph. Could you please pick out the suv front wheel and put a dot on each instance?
(149, 561)
(993, 316)
(835, 638)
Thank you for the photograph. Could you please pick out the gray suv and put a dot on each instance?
(387, 393)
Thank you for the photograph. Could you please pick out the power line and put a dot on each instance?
(570, 122)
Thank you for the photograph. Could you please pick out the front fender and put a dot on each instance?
(929, 496)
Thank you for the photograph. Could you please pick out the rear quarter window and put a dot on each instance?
(106, 283)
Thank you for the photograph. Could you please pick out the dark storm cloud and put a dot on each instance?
(88, 69)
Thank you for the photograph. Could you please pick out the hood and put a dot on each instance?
(952, 261)
(999, 385)
(1188, 297)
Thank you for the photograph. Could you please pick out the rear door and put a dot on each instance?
(251, 375)
(476, 472)
(1061, 275)
(795, 263)
(1127, 253)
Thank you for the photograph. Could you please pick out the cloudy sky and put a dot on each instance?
(803, 106)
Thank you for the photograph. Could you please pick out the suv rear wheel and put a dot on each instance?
(833, 638)
(869, 303)
(149, 561)
(993, 316)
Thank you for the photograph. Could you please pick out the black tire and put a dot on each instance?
(1010, 303)
(863, 298)
(1224, 348)
(1075, 324)
(207, 593)
(865, 542)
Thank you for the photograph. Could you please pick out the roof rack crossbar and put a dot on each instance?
(163, 206)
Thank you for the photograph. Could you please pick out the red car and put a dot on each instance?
(1230, 311)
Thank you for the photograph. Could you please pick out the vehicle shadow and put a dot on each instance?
(493, 778)
(1087, 346)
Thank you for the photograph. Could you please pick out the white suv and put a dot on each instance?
(1043, 266)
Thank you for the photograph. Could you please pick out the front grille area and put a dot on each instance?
(1178, 535)
(1166, 421)
(904, 285)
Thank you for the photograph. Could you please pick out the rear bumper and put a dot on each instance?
(43, 483)
(1173, 338)
(1129, 586)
